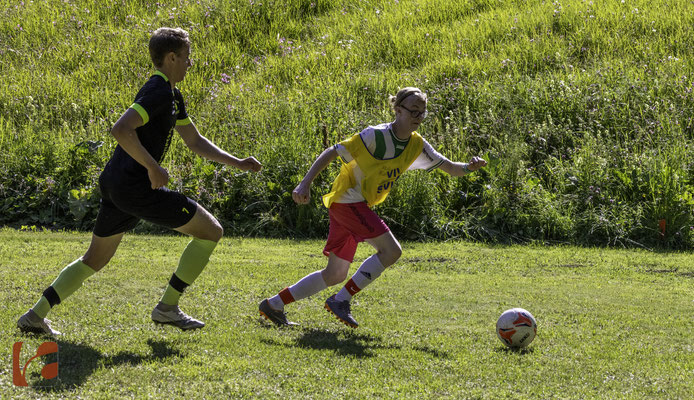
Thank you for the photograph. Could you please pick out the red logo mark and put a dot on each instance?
(352, 287)
(523, 320)
(49, 371)
(506, 334)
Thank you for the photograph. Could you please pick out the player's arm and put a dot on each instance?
(460, 169)
(124, 131)
(302, 192)
(203, 147)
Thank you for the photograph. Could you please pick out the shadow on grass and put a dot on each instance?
(520, 350)
(78, 361)
(348, 344)
(343, 343)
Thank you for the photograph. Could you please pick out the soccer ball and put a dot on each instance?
(516, 327)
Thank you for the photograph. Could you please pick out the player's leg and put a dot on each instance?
(206, 232)
(363, 223)
(111, 223)
(203, 226)
(71, 278)
(388, 251)
(340, 249)
(334, 273)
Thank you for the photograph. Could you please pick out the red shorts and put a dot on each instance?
(350, 224)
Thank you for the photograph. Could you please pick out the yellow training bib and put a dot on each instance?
(379, 175)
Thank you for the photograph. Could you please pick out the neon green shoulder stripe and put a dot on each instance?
(141, 111)
(186, 121)
(157, 72)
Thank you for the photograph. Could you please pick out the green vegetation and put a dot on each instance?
(612, 324)
(583, 109)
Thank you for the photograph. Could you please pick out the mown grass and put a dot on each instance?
(583, 109)
(611, 323)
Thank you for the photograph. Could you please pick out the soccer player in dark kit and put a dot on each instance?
(133, 187)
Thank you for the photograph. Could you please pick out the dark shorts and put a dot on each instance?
(350, 224)
(122, 207)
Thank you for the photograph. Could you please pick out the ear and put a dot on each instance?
(171, 56)
(399, 112)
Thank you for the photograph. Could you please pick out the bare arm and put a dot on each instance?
(460, 169)
(203, 147)
(126, 136)
(302, 193)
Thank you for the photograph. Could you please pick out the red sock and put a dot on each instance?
(286, 296)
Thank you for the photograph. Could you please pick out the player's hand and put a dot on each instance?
(302, 194)
(158, 177)
(250, 164)
(476, 163)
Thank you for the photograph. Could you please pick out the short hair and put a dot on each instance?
(405, 93)
(166, 40)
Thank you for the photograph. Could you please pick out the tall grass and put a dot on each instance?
(582, 108)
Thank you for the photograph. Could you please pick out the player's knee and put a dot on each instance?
(397, 253)
(212, 231)
(216, 232)
(334, 277)
(219, 230)
(390, 255)
(95, 263)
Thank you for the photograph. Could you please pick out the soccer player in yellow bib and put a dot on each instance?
(372, 162)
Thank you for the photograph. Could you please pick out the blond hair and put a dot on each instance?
(164, 41)
(403, 94)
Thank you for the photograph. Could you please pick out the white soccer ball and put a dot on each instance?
(516, 327)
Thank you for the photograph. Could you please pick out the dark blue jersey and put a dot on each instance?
(161, 109)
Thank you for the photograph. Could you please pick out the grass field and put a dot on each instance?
(611, 323)
(583, 108)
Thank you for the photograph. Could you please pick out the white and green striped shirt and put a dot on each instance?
(384, 145)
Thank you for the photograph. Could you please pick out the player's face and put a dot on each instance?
(412, 111)
(181, 63)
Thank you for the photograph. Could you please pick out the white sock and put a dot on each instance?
(276, 302)
(368, 271)
(306, 286)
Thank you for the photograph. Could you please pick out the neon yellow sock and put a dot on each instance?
(69, 280)
(192, 262)
(42, 307)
